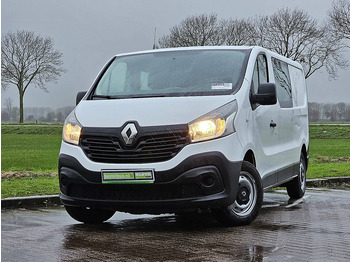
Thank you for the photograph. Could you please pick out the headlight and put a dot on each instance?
(214, 124)
(71, 129)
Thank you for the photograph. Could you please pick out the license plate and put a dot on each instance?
(127, 176)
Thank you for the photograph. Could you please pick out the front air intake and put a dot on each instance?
(150, 145)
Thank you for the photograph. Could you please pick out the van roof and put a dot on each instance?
(188, 48)
(255, 48)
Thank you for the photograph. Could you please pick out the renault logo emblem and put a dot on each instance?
(129, 133)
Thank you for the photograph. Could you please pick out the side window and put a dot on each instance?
(298, 86)
(262, 63)
(260, 74)
(283, 86)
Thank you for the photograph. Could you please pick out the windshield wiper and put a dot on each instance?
(128, 96)
(143, 96)
(104, 96)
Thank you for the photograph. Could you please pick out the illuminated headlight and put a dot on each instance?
(215, 124)
(71, 130)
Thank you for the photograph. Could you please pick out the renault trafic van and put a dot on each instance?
(175, 130)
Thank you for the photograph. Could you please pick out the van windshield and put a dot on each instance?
(173, 73)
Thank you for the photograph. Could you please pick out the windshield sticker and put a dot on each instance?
(221, 86)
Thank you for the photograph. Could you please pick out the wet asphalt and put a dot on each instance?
(315, 228)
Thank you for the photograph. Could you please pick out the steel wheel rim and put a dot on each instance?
(246, 180)
(302, 176)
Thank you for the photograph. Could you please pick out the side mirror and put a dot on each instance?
(80, 96)
(266, 94)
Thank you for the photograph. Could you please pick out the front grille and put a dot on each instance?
(135, 192)
(148, 147)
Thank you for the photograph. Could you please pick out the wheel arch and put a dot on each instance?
(305, 152)
(249, 157)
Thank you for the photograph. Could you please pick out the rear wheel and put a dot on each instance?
(89, 215)
(296, 188)
(248, 201)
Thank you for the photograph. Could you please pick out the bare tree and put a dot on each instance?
(286, 32)
(291, 33)
(5, 116)
(347, 113)
(237, 31)
(8, 104)
(14, 114)
(28, 59)
(339, 18)
(294, 34)
(314, 111)
(11, 110)
(197, 30)
(341, 108)
(334, 112)
(327, 110)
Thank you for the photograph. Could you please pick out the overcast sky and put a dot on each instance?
(90, 32)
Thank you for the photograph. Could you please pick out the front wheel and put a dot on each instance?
(296, 188)
(248, 201)
(89, 215)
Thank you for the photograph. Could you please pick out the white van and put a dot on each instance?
(175, 130)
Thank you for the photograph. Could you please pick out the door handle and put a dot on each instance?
(273, 124)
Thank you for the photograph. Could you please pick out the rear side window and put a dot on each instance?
(283, 85)
(298, 86)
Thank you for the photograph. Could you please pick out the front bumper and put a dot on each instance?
(204, 180)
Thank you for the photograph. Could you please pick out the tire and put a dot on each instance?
(89, 216)
(248, 201)
(296, 188)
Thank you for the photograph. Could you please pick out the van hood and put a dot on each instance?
(158, 111)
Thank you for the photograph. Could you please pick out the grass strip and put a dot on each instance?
(29, 186)
(329, 158)
(31, 130)
(329, 132)
(38, 153)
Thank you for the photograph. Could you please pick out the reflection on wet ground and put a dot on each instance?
(316, 228)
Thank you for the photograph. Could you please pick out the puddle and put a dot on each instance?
(258, 253)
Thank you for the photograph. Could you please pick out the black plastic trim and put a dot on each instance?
(281, 176)
(190, 171)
